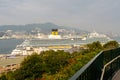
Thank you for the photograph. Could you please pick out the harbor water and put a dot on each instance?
(7, 45)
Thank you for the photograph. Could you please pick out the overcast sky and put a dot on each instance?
(99, 15)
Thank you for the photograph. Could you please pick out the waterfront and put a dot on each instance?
(7, 45)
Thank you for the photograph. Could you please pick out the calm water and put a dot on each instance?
(7, 45)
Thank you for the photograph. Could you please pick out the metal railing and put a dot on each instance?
(93, 69)
(106, 65)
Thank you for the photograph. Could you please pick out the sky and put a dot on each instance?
(99, 15)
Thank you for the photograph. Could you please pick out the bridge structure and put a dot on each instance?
(104, 66)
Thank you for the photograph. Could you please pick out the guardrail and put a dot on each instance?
(107, 65)
(93, 69)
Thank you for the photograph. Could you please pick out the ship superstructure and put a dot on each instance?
(54, 34)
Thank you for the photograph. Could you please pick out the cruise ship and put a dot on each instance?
(22, 48)
(55, 42)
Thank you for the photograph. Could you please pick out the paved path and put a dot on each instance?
(116, 76)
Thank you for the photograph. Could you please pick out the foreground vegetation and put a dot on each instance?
(56, 65)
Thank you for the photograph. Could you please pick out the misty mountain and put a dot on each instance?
(44, 28)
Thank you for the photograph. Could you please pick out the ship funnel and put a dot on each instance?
(54, 32)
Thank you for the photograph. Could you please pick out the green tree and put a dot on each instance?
(32, 67)
(95, 46)
(55, 60)
(111, 45)
(3, 77)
